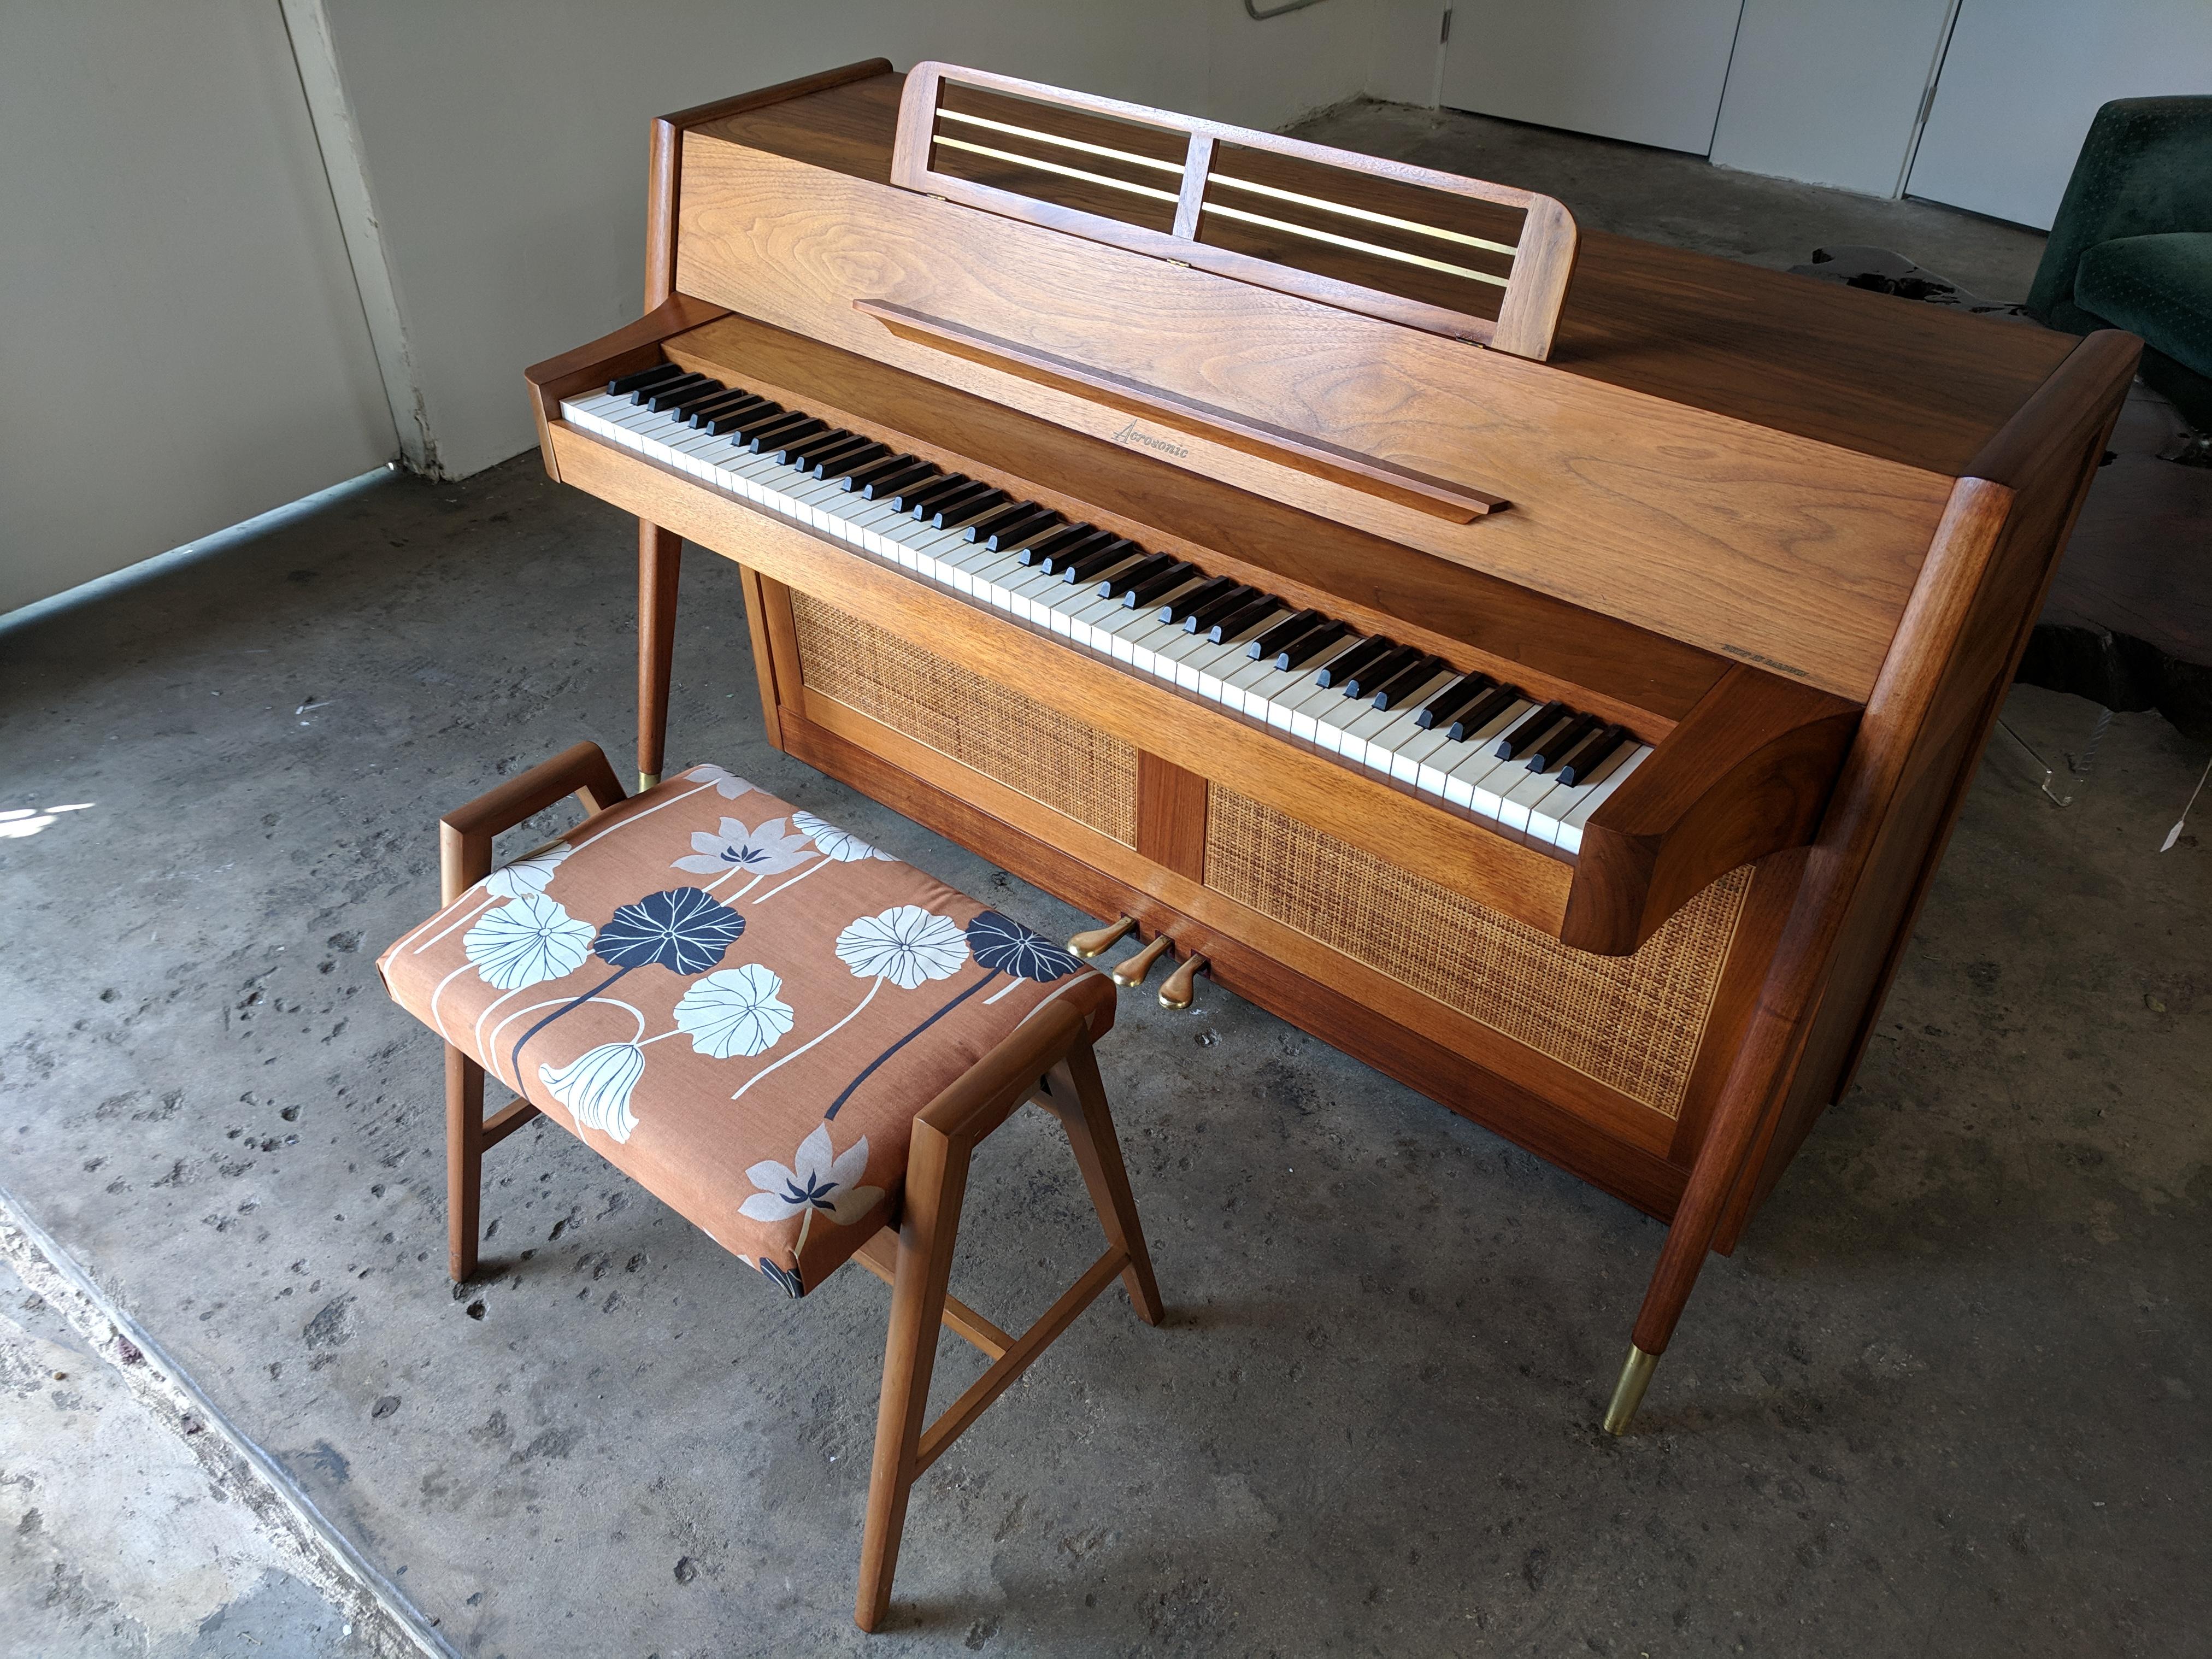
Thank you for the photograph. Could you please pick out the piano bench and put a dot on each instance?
(703, 943)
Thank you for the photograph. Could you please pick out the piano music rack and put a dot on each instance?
(1452, 256)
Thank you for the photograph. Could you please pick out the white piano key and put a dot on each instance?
(1569, 836)
(1216, 680)
(1408, 758)
(1246, 691)
(1490, 793)
(1379, 739)
(1518, 799)
(1480, 759)
(1302, 707)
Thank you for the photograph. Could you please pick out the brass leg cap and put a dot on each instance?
(1182, 985)
(1099, 940)
(1628, 1393)
(647, 780)
(1133, 971)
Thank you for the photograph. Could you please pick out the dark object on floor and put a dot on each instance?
(2127, 621)
(2132, 245)
(1880, 271)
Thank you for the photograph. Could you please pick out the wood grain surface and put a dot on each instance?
(1756, 544)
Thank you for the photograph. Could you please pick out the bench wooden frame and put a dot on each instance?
(1046, 1062)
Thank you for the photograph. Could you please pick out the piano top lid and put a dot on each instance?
(1908, 383)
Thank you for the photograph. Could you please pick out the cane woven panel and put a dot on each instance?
(1088, 775)
(1631, 1022)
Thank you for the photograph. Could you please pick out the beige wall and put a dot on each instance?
(504, 140)
(179, 331)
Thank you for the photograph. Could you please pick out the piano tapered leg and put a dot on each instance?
(659, 557)
(1720, 1165)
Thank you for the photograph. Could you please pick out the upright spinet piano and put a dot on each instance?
(1543, 664)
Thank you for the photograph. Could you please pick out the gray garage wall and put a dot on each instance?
(180, 336)
(504, 141)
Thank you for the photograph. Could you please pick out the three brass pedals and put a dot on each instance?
(1180, 987)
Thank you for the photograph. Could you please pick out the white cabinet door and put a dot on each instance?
(1649, 72)
(2022, 79)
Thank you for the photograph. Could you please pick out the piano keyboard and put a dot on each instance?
(1540, 768)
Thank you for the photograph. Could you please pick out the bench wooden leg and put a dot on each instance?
(936, 1182)
(464, 1145)
(945, 1139)
(1090, 1126)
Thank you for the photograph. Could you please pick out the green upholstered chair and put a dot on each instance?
(2132, 245)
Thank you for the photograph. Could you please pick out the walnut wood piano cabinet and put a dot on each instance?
(1790, 537)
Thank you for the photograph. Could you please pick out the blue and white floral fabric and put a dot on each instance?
(742, 1005)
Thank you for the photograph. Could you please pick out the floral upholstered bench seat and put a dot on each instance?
(739, 1005)
(797, 1041)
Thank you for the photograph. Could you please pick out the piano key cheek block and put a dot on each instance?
(1558, 700)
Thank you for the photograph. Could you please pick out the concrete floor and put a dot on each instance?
(1950, 1398)
(124, 1532)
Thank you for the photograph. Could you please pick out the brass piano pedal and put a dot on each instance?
(1099, 940)
(1133, 971)
(1182, 985)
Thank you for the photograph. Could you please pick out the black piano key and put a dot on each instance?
(879, 470)
(781, 440)
(975, 507)
(1283, 633)
(1005, 519)
(1248, 615)
(718, 422)
(713, 392)
(1179, 609)
(950, 500)
(730, 403)
(1352, 661)
(887, 487)
(1121, 581)
(1453, 698)
(852, 461)
(1483, 710)
(1034, 528)
(766, 425)
(1060, 542)
(1312, 645)
(1095, 554)
(1159, 584)
(1591, 753)
(1515, 743)
(927, 490)
(1408, 682)
(1038, 527)
(1362, 681)
(1091, 563)
(1556, 746)
(1202, 617)
(622, 385)
(1062, 555)
(791, 449)
(968, 504)
(661, 398)
(831, 445)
